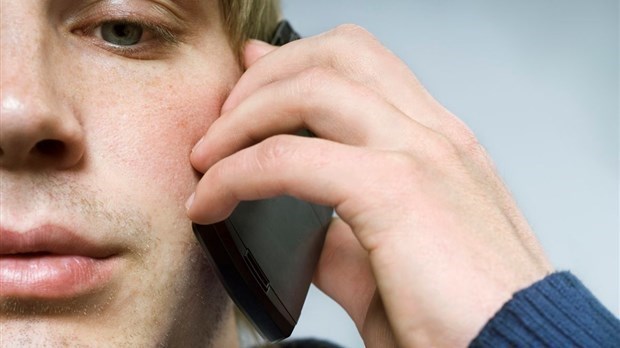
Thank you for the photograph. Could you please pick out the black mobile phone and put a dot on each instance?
(265, 253)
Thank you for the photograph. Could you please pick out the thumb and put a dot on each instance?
(254, 50)
(343, 272)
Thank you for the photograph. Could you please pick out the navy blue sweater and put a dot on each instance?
(557, 311)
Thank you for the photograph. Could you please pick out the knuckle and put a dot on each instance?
(468, 144)
(356, 52)
(399, 162)
(314, 85)
(441, 149)
(353, 40)
(313, 78)
(273, 152)
(218, 172)
(353, 31)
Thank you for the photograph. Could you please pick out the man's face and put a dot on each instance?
(102, 101)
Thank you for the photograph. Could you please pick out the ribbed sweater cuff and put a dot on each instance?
(557, 311)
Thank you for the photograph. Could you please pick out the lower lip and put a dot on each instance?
(52, 276)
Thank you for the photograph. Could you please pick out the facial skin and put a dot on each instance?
(95, 140)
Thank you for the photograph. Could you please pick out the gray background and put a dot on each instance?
(537, 81)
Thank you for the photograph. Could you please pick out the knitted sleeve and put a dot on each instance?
(557, 311)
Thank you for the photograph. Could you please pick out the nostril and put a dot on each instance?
(50, 147)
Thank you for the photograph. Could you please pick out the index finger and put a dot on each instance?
(348, 49)
(359, 57)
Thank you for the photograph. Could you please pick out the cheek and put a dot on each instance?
(143, 128)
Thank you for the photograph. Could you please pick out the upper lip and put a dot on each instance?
(51, 239)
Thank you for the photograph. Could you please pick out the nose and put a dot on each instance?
(36, 133)
(38, 124)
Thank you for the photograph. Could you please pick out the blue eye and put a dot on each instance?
(121, 33)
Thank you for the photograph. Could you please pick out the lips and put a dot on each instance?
(51, 262)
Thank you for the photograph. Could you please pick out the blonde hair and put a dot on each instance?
(249, 19)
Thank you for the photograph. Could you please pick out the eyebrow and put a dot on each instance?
(176, 6)
(180, 8)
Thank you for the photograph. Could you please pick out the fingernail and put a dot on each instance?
(197, 144)
(190, 201)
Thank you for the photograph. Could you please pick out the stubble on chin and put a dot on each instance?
(149, 303)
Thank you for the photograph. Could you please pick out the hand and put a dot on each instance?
(429, 244)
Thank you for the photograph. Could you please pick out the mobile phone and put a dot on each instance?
(265, 253)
